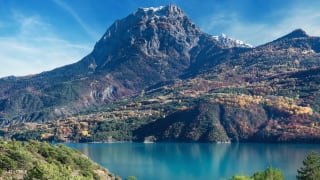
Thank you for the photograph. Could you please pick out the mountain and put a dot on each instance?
(228, 42)
(154, 76)
(145, 48)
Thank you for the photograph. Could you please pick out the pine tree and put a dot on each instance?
(311, 168)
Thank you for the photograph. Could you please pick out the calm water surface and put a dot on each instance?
(195, 160)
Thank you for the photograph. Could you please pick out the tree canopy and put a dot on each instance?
(311, 167)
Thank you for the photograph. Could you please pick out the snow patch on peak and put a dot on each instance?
(153, 8)
(228, 42)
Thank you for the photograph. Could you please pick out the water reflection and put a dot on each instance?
(195, 160)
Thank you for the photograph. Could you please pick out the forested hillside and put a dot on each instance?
(36, 160)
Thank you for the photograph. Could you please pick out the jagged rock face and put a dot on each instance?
(164, 32)
(148, 46)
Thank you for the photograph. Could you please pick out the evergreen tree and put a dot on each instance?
(268, 174)
(311, 168)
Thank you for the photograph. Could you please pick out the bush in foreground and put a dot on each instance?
(268, 174)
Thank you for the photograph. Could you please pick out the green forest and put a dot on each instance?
(41, 160)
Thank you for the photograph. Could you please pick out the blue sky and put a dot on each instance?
(39, 35)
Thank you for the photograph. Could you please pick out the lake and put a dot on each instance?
(195, 160)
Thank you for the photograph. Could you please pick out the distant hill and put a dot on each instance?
(155, 76)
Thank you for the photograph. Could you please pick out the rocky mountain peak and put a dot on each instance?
(163, 31)
(168, 11)
(143, 18)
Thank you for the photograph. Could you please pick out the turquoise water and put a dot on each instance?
(195, 160)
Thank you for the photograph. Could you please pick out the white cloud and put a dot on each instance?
(35, 48)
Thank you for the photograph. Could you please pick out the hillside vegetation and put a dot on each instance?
(198, 109)
(36, 160)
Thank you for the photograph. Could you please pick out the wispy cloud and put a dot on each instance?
(305, 18)
(231, 25)
(2, 25)
(260, 32)
(93, 34)
(35, 48)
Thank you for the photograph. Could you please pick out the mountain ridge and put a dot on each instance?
(157, 66)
